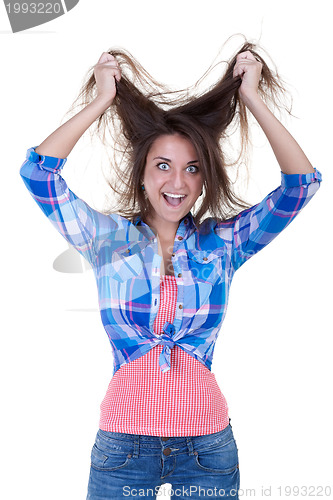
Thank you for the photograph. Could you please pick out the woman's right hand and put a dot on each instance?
(106, 73)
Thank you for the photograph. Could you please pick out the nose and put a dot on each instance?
(178, 180)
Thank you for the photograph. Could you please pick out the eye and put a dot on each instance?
(193, 167)
(160, 166)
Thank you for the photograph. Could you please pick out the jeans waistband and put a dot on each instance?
(122, 441)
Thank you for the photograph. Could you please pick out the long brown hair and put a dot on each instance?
(144, 109)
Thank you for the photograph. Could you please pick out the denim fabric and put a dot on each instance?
(135, 466)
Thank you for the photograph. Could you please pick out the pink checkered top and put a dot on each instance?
(184, 401)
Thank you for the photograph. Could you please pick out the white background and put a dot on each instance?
(273, 356)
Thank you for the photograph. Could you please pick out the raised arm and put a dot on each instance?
(61, 142)
(82, 226)
(289, 154)
(253, 228)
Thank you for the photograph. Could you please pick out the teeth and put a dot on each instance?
(175, 195)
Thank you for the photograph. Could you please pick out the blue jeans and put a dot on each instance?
(135, 466)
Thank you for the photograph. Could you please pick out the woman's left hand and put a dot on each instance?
(249, 69)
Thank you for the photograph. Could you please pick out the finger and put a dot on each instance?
(114, 70)
(238, 71)
(110, 64)
(240, 68)
(246, 55)
(118, 75)
(105, 57)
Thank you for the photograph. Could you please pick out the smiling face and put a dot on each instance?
(173, 181)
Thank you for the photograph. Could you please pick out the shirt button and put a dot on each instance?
(180, 306)
(205, 258)
(128, 250)
(179, 275)
(173, 254)
(180, 238)
(186, 221)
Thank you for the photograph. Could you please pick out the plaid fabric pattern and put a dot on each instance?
(188, 394)
(124, 257)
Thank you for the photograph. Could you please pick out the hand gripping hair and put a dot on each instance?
(143, 109)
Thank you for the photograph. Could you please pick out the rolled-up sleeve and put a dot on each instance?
(253, 228)
(82, 226)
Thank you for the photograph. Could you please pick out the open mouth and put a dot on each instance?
(172, 201)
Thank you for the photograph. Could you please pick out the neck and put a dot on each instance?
(165, 233)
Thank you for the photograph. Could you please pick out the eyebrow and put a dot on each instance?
(168, 159)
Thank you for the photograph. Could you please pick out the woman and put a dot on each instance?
(163, 271)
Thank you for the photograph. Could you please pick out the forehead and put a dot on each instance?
(172, 147)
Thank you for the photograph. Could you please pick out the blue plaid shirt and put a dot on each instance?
(124, 258)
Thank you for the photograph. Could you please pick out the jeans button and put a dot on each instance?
(167, 451)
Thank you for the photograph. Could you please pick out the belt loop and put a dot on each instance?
(136, 446)
(190, 445)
